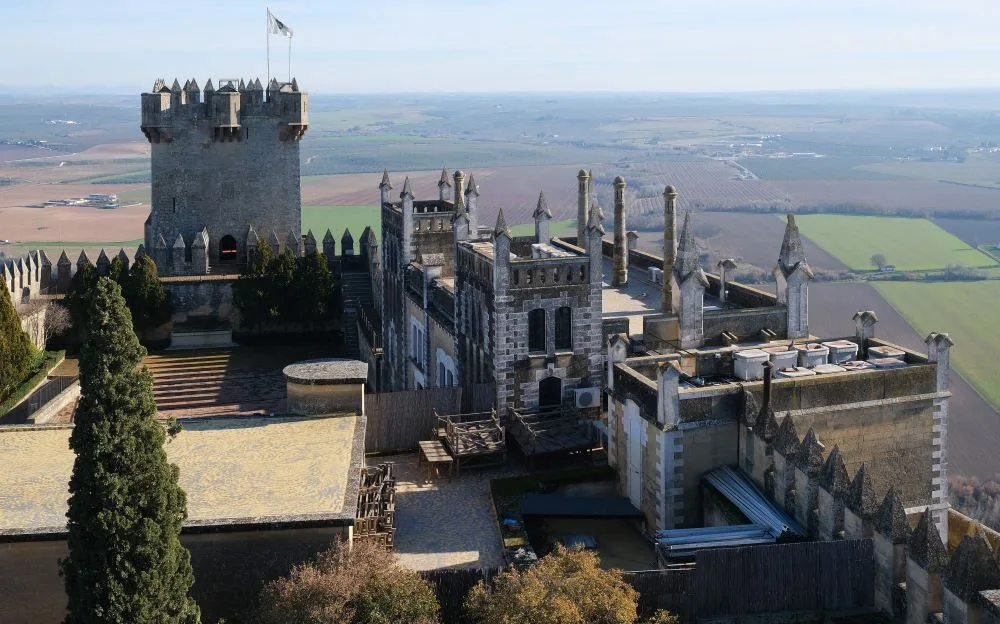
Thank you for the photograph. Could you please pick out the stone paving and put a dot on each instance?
(445, 523)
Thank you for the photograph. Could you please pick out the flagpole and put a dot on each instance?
(267, 35)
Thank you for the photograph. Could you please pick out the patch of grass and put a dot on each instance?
(338, 218)
(909, 244)
(47, 360)
(964, 310)
(556, 228)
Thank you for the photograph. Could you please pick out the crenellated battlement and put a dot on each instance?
(226, 110)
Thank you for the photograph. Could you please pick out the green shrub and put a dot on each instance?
(18, 354)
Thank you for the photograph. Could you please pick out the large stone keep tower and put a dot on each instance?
(225, 169)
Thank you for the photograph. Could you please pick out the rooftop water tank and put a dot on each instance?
(842, 351)
(782, 357)
(749, 365)
(812, 354)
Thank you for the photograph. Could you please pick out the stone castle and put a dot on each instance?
(225, 171)
(688, 378)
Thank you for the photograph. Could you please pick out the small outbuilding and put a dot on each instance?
(326, 387)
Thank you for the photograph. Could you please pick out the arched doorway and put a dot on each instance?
(229, 253)
(550, 392)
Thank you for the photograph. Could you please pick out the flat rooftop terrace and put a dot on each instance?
(235, 471)
(639, 297)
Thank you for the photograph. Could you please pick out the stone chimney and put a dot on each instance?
(669, 246)
(459, 188)
(725, 266)
(620, 275)
(582, 207)
(864, 325)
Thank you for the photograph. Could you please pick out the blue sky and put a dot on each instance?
(511, 45)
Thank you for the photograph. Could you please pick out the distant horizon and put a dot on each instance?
(10, 91)
(523, 46)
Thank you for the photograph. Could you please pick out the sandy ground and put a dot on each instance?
(70, 223)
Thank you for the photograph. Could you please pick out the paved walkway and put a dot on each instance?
(445, 523)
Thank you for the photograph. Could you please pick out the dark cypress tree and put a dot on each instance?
(251, 290)
(17, 354)
(147, 297)
(126, 564)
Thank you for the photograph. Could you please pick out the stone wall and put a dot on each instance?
(206, 299)
(33, 322)
(229, 569)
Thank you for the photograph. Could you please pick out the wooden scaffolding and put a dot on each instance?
(477, 439)
(551, 431)
(376, 517)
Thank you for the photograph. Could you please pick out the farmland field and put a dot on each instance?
(337, 219)
(915, 196)
(975, 232)
(556, 228)
(967, 312)
(975, 170)
(909, 244)
(751, 238)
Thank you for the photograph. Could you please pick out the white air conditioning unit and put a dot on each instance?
(588, 397)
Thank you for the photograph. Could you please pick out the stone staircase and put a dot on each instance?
(357, 291)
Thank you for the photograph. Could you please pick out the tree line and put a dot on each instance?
(280, 288)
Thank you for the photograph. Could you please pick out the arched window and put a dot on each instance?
(564, 328)
(536, 330)
(228, 251)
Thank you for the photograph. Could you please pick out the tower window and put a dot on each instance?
(536, 330)
(564, 328)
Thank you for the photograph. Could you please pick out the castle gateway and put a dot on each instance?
(225, 170)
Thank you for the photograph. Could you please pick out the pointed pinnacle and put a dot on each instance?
(542, 209)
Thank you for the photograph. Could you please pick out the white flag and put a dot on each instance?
(276, 27)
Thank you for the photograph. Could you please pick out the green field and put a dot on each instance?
(556, 228)
(338, 218)
(975, 170)
(967, 311)
(909, 244)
